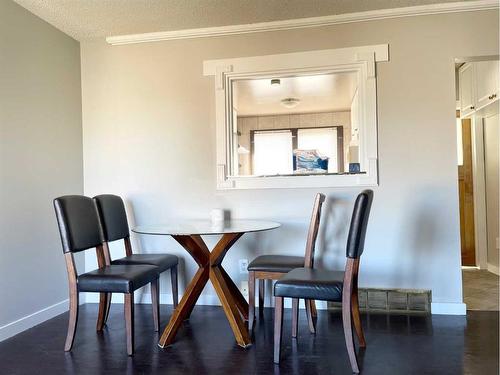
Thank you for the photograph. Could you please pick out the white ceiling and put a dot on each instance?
(88, 19)
(317, 93)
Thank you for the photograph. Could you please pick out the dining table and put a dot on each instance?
(188, 233)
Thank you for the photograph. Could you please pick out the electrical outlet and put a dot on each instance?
(244, 288)
(243, 265)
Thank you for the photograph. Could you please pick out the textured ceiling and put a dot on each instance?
(88, 19)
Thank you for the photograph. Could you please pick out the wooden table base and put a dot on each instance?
(234, 304)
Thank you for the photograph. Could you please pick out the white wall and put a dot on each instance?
(149, 135)
(40, 159)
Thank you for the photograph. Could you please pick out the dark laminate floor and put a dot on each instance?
(397, 344)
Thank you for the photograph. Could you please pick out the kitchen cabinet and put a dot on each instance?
(467, 92)
(478, 86)
(355, 120)
(486, 82)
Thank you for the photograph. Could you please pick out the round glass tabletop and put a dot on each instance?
(206, 227)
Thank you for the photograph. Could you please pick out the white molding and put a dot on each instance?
(301, 23)
(145, 298)
(444, 308)
(308, 59)
(360, 59)
(494, 269)
(213, 300)
(31, 320)
(298, 181)
(204, 300)
(478, 182)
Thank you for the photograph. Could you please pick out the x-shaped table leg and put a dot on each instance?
(234, 304)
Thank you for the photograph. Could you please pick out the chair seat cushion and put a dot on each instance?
(276, 263)
(117, 278)
(310, 283)
(162, 261)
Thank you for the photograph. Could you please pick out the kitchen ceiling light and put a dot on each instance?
(290, 102)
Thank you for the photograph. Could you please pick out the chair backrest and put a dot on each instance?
(313, 230)
(78, 223)
(113, 217)
(359, 223)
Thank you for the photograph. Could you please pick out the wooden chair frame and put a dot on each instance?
(103, 259)
(105, 298)
(308, 262)
(350, 315)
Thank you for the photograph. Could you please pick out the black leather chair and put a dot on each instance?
(327, 285)
(273, 267)
(80, 230)
(114, 222)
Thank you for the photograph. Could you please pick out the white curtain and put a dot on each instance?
(323, 140)
(273, 153)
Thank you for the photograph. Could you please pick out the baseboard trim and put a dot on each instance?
(493, 269)
(31, 320)
(212, 300)
(145, 298)
(440, 308)
(204, 300)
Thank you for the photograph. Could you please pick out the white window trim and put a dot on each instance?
(359, 59)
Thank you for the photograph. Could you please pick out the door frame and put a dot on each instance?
(479, 186)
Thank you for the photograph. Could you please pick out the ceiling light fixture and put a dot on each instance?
(275, 82)
(290, 102)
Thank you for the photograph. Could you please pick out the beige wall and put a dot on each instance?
(299, 120)
(491, 156)
(40, 159)
(149, 135)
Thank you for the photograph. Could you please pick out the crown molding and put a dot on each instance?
(300, 23)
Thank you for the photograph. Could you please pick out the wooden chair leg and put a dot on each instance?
(101, 315)
(261, 296)
(357, 320)
(314, 312)
(310, 319)
(251, 300)
(108, 307)
(349, 340)
(73, 318)
(129, 321)
(155, 303)
(175, 286)
(295, 317)
(278, 326)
